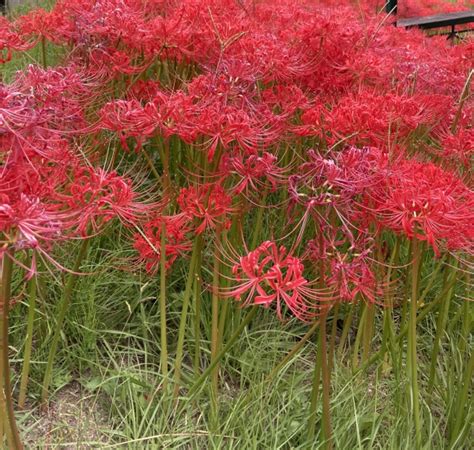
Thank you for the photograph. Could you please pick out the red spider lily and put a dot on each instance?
(40, 111)
(145, 91)
(269, 275)
(285, 99)
(27, 221)
(54, 26)
(458, 148)
(353, 276)
(129, 119)
(177, 230)
(107, 64)
(377, 120)
(425, 202)
(10, 40)
(252, 172)
(99, 196)
(222, 111)
(337, 178)
(208, 204)
(347, 263)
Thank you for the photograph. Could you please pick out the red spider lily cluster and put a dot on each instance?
(351, 127)
(302, 156)
(49, 190)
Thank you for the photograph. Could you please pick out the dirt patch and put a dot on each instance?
(75, 419)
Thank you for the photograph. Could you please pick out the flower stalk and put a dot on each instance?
(29, 340)
(63, 307)
(412, 356)
(5, 292)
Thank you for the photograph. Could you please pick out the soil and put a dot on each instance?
(75, 419)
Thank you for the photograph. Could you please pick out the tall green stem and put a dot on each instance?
(29, 342)
(215, 329)
(195, 388)
(43, 51)
(368, 331)
(346, 328)
(197, 318)
(163, 321)
(62, 310)
(7, 267)
(462, 404)
(360, 331)
(184, 314)
(440, 328)
(412, 357)
(314, 394)
(332, 341)
(326, 379)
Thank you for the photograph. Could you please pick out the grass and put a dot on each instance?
(110, 359)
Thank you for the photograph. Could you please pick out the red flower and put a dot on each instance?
(208, 204)
(27, 222)
(425, 202)
(269, 275)
(252, 172)
(99, 196)
(176, 228)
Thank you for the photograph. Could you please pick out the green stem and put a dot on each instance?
(259, 221)
(195, 388)
(29, 342)
(166, 167)
(184, 315)
(368, 332)
(332, 342)
(462, 403)
(150, 164)
(163, 321)
(197, 319)
(360, 330)
(215, 330)
(314, 393)
(388, 334)
(326, 379)
(440, 329)
(345, 328)
(7, 268)
(62, 310)
(404, 314)
(466, 328)
(43, 51)
(222, 321)
(412, 357)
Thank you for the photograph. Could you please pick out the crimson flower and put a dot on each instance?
(208, 204)
(252, 172)
(425, 202)
(27, 222)
(148, 244)
(99, 196)
(269, 275)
